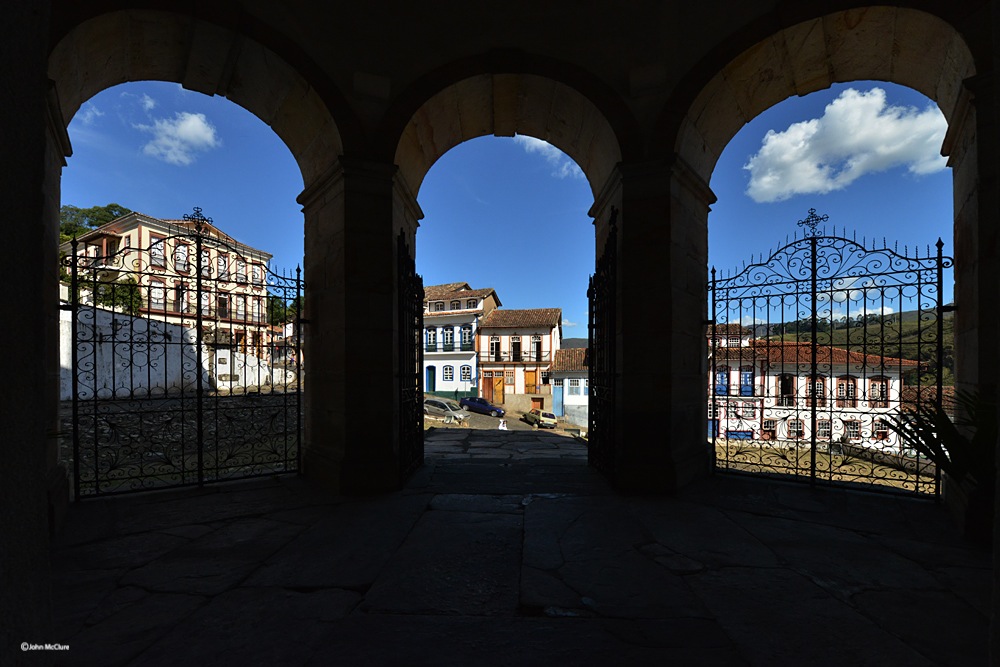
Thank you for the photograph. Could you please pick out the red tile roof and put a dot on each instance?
(731, 328)
(531, 317)
(457, 291)
(439, 291)
(570, 359)
(791, 353)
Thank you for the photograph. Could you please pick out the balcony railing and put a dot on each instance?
(515, 357)
(440, 346)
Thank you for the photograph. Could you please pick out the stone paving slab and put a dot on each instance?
(347, 548)
(454, 563)
(435, 641)
(216, 562)
(514, 559)
(254, 626)
(778, 617)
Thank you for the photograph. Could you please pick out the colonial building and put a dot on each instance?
(160, 257)
(516, 348)
(570, 385)
(452, 316)
(767, 390)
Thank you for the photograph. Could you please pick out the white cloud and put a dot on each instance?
(858, 134)
(567, 323)
(147, 102)
(563, 166)
(176, 140)
(88, 113)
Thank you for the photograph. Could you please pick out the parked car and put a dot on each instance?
(482, 406)
(442, 407)
(542, 419)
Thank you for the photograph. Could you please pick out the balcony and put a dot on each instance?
(524, 356)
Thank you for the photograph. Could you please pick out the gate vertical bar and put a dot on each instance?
(298, 368)
(199, 356)
(74, 315)
(713, 423)
(813, 366)
(939, 377)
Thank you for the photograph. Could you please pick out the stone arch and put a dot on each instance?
(504, 104)
(209, 58)
(924, 53)
(909, 47)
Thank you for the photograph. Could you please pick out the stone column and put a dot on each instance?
(661, 310)
(30, 300)
(352, 217)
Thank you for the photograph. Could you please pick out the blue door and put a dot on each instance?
(557, 399)
(429, 383)
(746, 381)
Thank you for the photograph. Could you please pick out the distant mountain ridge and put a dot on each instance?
(568, 343)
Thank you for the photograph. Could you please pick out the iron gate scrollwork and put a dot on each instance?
(411, 313)
(185, 360)
(602, 298)
(816, 350)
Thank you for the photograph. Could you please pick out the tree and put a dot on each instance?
(74, 221)
(124, 294)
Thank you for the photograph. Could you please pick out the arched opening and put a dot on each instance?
(514, 361)
(200, 292)
(927, 55)
(503, 251)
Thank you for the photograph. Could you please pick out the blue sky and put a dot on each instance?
(512, 213)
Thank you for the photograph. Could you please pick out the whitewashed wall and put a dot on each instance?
(121, 356)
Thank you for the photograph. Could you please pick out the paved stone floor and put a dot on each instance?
(506, 549)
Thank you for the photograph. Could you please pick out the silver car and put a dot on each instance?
(442, 407)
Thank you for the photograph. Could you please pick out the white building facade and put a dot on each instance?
(571, 386)
(768, 390)
(516, 349)
(453, 313)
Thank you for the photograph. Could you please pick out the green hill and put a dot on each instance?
(907, 335)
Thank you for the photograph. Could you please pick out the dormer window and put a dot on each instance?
(456, 305)
(471, 304)
(439, 306)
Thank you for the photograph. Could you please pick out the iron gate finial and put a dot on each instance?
(811, 221)
(198, 219)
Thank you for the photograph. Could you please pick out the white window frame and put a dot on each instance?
(157, 295)
(466, 373)
(448, 374)
(181, 257)
(574, 387)
(157, 251)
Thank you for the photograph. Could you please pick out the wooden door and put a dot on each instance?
(488, 386)
(530, 377)
(498, 390)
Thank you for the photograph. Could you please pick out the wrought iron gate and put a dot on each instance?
(411, 360)
(601, 294)
(817, 349)
(182, 360)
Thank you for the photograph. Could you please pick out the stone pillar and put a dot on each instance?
(986, 285)
(661, 309)
(30, 301)
(352, 217)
